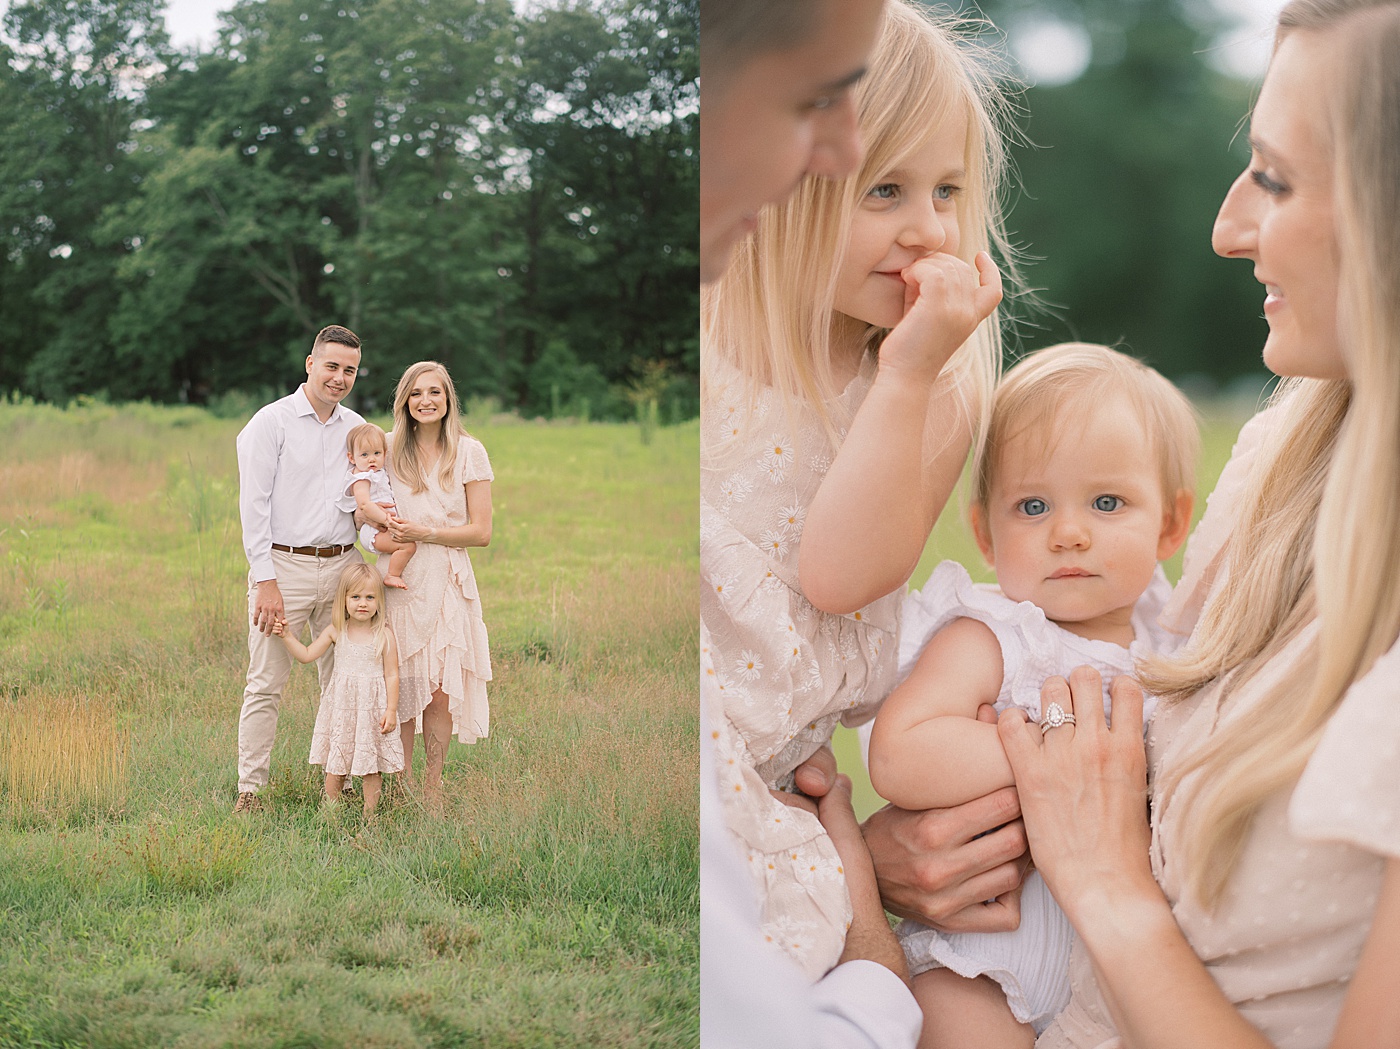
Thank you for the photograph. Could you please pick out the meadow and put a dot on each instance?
(952, 539)
(551, 901)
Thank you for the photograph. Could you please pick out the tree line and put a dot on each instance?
(511, 193)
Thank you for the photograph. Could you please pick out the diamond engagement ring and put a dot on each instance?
(1055, 716)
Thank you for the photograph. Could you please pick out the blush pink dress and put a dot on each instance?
(437, 621)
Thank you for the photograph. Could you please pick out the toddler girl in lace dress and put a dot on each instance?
(357, 723)
(849, 353)
(1084, 484)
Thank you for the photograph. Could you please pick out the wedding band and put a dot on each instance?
(1055, 716)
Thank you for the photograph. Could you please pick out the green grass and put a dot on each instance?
(952, 540)
(552, 902)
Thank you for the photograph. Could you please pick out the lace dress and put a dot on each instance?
(437, 620)
(786, 673)
(1285, 939)
(347, 739)
(1030, 963)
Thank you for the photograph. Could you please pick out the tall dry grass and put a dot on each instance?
(61, 755)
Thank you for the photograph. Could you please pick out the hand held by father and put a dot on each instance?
(267, 606)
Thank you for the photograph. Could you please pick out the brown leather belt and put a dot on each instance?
(314, 551)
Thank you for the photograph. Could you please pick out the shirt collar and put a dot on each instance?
(305, 407)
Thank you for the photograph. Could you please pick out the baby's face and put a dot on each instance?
(1077, 525)
(364, 459)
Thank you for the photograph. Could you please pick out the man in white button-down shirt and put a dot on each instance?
(291, 467)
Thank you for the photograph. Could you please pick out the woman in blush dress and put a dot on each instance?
(442, 481)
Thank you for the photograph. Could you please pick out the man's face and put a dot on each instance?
(330, 375)
(781, 115)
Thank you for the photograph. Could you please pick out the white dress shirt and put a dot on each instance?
(751, 994)
(291, 469)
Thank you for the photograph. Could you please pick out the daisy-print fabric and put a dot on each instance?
(786, 672)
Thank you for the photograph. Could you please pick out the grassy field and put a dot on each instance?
(952, 539)
(552, 903)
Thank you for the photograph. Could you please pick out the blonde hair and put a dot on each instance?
(1047, 390)
(363, 434)
(1319, 535)
(405, 451)
(357, 575)
(770, 316)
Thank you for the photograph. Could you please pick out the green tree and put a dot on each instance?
(605, 116)
(70, 94)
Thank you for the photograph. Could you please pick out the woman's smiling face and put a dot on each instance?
(427, 400)
(1279, 212)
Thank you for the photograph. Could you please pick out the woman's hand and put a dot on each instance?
(408, 532)
(945, 300)
(1083, 789)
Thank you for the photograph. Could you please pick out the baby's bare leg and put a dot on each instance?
(960, 1013)
(398, 561)
(370, 785)
(399, 554)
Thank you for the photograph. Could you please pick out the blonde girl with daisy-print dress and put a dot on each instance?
(848, 356)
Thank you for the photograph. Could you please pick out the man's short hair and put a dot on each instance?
(334, 333)
(733, 31)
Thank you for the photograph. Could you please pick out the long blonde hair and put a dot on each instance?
(770, 316)
(404, 453)
(1319, 537)
(357, 575)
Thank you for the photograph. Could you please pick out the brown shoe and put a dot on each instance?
(247, 802)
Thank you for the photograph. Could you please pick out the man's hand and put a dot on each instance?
(267, 606)
(957, 869)
(870, 935)
(935, 866)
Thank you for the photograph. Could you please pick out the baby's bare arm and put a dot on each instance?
(928, 750)
(369, 509)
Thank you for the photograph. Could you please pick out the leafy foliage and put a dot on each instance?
(451, 179)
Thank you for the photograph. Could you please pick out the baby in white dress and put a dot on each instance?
(1084, 484)
(368, 491)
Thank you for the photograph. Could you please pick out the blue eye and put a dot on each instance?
(885, 191)
(1107, 503)
(1033, 507)
(946, 192)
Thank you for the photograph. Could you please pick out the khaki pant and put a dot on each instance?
(308, 586)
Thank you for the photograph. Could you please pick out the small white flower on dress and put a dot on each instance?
(777, 458)
(723, 586)
(739, 694)
(770, 581)
(791, 518)
(811, 867)
(736, 488)
(774, 541)
(849, 648)
(749, 666)
(820, 464)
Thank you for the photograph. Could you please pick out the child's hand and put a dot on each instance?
(390, 722)
(945, 300)
(279, 627)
